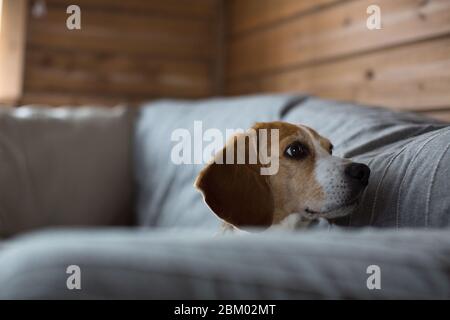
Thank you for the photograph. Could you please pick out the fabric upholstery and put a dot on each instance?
(408, 155)
(64, 166)
(191, 264)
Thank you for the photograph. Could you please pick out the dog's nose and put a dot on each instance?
(358, 171)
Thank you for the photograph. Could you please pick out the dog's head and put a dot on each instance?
(309, 182)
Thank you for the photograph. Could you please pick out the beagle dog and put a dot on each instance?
(310, 182)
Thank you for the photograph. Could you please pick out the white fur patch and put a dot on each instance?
(330, 175)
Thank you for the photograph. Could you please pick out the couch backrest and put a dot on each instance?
(408, 155)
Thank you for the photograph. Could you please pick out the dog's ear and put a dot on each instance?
(237, 193)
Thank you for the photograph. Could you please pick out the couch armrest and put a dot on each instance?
(64, 166)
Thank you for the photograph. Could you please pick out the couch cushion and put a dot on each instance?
(190, 264)
(408, 155)
(166, 196)
(64, 166)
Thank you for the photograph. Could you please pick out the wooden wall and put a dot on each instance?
(126, 51)
(12, 49)
(136, 50)
(324, 47)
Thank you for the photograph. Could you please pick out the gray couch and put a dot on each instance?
(95, 188)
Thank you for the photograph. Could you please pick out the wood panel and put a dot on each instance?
(116, 73)
(125, 51)
(53, 98)
(112, 32)
(411, 77)
(443, 115)
(333, 32)
(12, 49)
(196, 9)
(249, 14)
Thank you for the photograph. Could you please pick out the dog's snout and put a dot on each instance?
(359, 172)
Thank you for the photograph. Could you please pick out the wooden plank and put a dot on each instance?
(337, 31)
(126, 51)
(200, 9)
(115, 74)
(105, 31)
(250, 14)
(68, 99)
(219, 57)
(443, 115)
(12, 48)
(412, 77)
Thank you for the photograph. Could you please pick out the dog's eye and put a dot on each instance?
(296, 150)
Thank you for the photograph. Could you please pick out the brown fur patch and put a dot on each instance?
(324, 142)
(237, 193)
